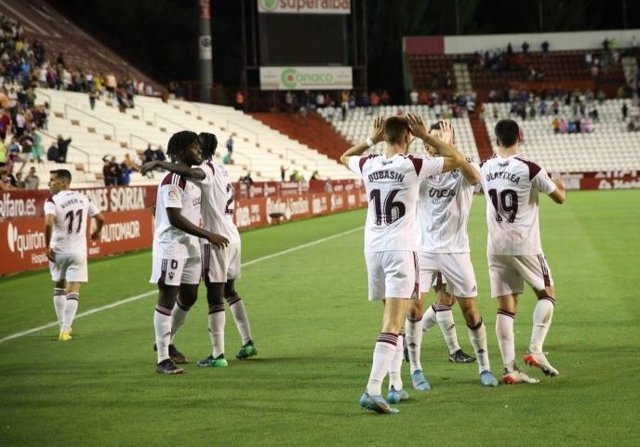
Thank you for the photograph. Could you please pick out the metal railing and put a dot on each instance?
(71, 146)
(164, 118)
(137, 137)
(254, 133)
(66, 115)
(313, 160)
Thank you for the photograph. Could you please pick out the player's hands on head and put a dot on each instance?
(217, 240)
(417, 126)
(447, 134)
(377, 134)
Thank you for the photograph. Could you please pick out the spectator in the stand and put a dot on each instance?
(19, 182)
(5, 181)
(374, 99)
(344, 103)
(555, 125)
(320, 100)
(564, 126)
(586, 125)
(328, 186)
(239, 100)
(124, 175)
(625, 110)
(227, 159)
(246, 179)
(53, 152)
(525, 47)
(385, 98)
(413, 97)
(132, 164)
(5, 124)
(63, 147)
(37, 153)
(229, 144)
(110, 84)
(288, 100)
(149, 154)
(315, 175)
(159, 154)
(4, 154)
(110, 171)
(93, 96)
(283, 171)
(544, 46)
(32, 181)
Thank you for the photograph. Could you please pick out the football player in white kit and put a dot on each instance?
(443, 250)
(511, 184)
(67, 214)
(176, 250)
(220, 267)
(392, 181)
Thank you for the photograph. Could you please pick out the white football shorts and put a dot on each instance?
(507, 273)
(392, 274)
(456, 268)
(70, 267)
(221, 264)
(174, 272)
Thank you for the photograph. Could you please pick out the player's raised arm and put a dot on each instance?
(376, 137)
(186, 171)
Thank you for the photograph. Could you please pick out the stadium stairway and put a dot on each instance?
(311, 130)
(483, 140)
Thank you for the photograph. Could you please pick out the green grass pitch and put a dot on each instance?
(314, 331)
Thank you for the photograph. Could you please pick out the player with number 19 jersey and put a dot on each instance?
(392, 186)
(511, 186)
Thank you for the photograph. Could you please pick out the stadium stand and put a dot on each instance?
(357, 126)
(610, 146)
(106, 130)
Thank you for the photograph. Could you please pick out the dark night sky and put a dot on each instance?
(162, 34)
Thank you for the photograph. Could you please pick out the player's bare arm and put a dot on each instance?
(452, 157)
(178, 168)
(95, 235)
(376, 137)
(181, 223)
(559, 195)
(48, 231)
(470, 174)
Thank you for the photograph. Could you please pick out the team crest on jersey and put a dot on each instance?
(455, 173)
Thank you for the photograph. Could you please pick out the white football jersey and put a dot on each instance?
(392, 187)
(218, 201)
(72, 210)
(511, 188)
(443, 212)
(174, 191)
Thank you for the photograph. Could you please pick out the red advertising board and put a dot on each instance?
(22, 242)
(260, 211)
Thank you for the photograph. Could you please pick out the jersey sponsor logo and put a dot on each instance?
(386, 175)
(440, 193)
(24, 242)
